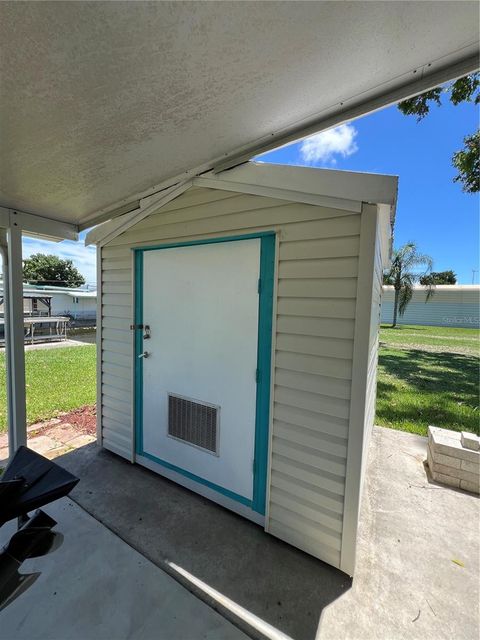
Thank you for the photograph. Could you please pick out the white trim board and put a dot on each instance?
(280, 194)
(329, 183)
(113, 228)
(358, 397)
(98, 342)
(38, 226)
(344, 190)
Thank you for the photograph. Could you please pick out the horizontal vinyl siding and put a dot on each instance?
(312, 326)
(117, 353)
(316, 291)
(454, 308)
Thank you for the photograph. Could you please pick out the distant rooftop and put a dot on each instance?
(29, 290)
(443, 287)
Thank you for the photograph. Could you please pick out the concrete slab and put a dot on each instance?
(418, 554)
(96, 587)
(416, 577)
(265, 581)
(417, 572)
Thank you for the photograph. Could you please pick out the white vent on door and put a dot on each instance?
(193, 422)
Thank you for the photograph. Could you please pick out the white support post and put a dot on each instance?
(99, 345)
(14, 341)
(12, 223)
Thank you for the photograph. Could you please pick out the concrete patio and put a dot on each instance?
(417, 566)
(418, 561)
(96, 586)
(56, 436)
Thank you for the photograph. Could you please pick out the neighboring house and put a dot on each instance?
(255, 328)
(78, 304)
(451, 305)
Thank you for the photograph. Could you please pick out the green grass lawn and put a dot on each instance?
(441, 338)
(58, 379)
(428, 375)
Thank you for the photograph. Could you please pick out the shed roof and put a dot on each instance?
(45, 291)
(337, 189)
(81, 294)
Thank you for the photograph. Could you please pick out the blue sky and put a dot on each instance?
(83, 257)
(432, 209)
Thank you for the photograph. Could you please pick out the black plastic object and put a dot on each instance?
(31, 539)
(31, 481)
(35, 538)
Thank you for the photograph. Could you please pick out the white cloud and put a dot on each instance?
(84, 258)
(324, 146)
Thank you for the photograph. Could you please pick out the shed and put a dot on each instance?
(238, 343)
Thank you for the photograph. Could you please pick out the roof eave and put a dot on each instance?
(345, 190)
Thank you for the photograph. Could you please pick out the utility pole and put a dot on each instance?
(474, 271)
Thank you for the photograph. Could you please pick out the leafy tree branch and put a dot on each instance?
(51, 270)
(467, 160)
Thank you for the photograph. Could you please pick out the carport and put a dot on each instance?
(110, 108)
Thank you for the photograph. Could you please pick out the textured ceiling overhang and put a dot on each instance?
(105, 102)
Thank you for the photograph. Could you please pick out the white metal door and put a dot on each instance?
(201, 304)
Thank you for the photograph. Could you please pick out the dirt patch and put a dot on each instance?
(82, 421)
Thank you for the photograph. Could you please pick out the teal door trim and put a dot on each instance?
(264, 364)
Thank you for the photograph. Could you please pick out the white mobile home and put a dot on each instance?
(451, 305)
(81, 306)
(238, 343)
(77, 304)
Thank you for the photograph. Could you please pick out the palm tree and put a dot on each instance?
(403, 277)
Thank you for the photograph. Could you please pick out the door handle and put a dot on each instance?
(145, 354)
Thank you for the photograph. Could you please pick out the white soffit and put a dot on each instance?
(102, 103)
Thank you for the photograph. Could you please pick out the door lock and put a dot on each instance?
(146, 332)
(145, 354)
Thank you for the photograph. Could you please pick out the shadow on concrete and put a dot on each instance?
(205, 546)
